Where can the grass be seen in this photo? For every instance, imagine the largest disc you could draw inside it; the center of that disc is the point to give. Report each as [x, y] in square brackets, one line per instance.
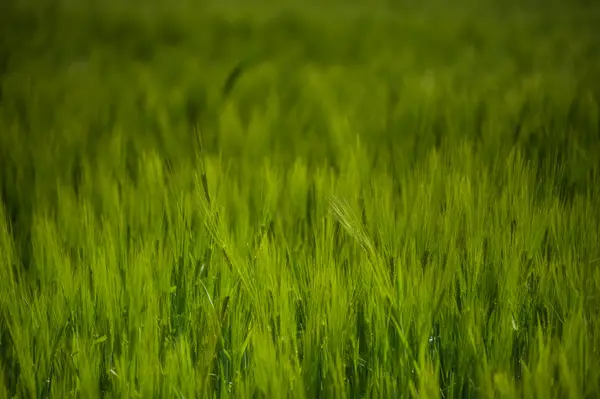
[225, 202]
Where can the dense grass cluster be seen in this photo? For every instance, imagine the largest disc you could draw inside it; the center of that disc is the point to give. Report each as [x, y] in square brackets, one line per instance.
[203, 202]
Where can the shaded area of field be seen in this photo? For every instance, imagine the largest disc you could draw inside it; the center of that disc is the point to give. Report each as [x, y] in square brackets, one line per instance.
[306, 202]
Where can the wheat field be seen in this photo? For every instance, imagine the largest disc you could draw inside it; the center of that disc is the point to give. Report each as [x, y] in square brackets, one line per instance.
[299, 200]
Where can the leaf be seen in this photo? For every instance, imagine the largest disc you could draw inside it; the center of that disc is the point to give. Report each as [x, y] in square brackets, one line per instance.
[99, 340]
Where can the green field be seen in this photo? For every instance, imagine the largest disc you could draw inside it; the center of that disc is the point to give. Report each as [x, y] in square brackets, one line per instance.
[310, 200]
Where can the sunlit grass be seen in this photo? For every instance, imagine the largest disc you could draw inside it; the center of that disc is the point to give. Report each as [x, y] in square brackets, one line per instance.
[367, 209]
